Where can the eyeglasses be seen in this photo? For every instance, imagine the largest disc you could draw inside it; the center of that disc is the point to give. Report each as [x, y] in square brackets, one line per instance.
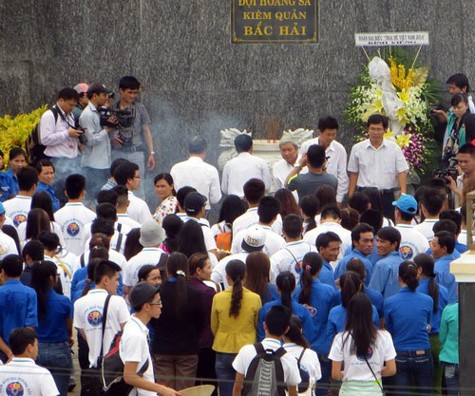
[159, 302]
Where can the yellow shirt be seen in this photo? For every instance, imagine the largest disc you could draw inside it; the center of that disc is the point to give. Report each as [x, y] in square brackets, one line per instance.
[231, 333]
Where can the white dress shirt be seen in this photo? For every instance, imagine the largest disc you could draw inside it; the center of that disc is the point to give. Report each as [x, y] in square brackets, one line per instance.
[196, 173]
[336, 164]
[280, 171]
[239, 170]
[377, 167]
[54, 135]
[138, 209]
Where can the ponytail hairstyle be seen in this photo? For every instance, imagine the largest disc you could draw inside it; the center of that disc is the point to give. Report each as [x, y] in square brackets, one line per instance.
[426, 264]
[236, 270]
[295, 332]
[408, 274]
[99, 239]
[91, 267]
[359, 325]
[311, 265]
[197, 260]
[41, 281]
[286, 284]
[177, 269]
[350, 284]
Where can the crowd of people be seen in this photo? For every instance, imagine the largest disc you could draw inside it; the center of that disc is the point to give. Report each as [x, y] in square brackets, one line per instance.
[323, 268]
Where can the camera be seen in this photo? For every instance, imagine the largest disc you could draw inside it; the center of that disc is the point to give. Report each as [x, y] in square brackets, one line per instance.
[451, 170]
[82, 137]
[125, 118]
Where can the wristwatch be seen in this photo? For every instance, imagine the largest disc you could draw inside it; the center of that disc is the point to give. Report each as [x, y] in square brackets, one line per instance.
[152, 152]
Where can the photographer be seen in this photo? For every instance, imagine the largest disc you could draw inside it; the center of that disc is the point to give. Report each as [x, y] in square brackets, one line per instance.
[96, 156]
[466, 164]
[129, 140]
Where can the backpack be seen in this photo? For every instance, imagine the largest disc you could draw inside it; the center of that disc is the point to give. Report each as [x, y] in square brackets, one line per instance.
[304, 375]
[265, 375]
[35, 151]
[224, 239]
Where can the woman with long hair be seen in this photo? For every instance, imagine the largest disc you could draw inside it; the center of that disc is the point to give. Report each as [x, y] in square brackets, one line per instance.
[151, 274]
[165, 190]
[440, 297]
[37, 221]
[307, 360]
[258, 277]
[172, 225]
[361, 354]
[233, 322]
[176, 340]
[285, 286]
[231, 208]
[54, 329]
[407, 317]
[310, 206]
[200, 272]
[191, 241]
[132, 245]
[288, 204]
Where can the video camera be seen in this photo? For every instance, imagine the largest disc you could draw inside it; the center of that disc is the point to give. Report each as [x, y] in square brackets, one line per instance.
[125, 118]
[451, 170]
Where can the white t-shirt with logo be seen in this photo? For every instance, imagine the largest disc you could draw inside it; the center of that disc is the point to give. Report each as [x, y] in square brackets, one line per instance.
[17, 209]
[73, 218]
[289, 258]
[67, 266]
[7, 245]
[355, 367]
[22, 377]
[148, 256]
[88, 316]
[412, 242]
[309, 363]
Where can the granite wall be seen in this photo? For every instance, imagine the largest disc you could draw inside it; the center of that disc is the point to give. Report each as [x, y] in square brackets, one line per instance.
[194, 80]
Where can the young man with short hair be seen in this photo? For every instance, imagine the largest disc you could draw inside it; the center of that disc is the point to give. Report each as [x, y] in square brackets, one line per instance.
[306, 184]
[385, 277]
[21, 376]
[134, 347]
[122, 205]
[73, 216]
[431, 205]
[329, 247]
[18, 303]
[443, 252]
[276, 324]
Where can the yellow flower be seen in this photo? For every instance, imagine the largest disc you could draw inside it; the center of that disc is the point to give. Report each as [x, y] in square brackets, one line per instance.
[403, 140]
[389, 135]
[404, 96]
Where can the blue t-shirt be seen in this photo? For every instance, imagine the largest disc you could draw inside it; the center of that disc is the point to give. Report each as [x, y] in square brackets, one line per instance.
[355, 253]
[406, 316]
[443, 301]
[81, 275]
[385, 277]
[337, 320]
[444, 277]
[6, 187]
[52, 328]
[18, 307]
[377, 300]
[323, 299]
[14, 182]
[326, 275]
[298, 310]
[50, 190]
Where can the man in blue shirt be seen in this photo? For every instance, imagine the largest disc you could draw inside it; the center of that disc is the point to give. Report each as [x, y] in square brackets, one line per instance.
[18, 304]
[328, 245]
[362, 238]
[443, 251]
[46, 174]
[386, 271]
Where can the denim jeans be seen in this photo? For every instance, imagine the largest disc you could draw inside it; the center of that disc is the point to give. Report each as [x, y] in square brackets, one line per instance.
[56, 357]
[323, 384]
[225, 373]
[451, 375]
[415, 372]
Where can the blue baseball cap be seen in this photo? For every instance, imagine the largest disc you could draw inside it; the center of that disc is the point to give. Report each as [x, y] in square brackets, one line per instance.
[407, 204]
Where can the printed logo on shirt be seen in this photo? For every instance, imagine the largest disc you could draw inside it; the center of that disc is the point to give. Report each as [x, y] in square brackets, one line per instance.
[18, 219]
[298, 266]
[15, 389]
[406, 252]
[369, 355]
[311, 310]
[73, 229]
[94, 318]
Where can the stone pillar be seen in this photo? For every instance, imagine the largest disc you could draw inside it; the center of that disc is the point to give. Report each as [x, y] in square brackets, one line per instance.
[464, 271]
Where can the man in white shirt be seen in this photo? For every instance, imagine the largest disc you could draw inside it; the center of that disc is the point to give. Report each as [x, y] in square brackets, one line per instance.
[413, 242]
[254, 190]
[74, 216]
[276, 325]
[134, 346]
[151, 236]
[466, 162]
[432, 204]
[268, 210]
[122, 205]
[128, 175]
[96, 154]
[89, 316]
[377, 162]
[195, 172]
[290, 256]
[335, 152]
[281, 169]
[245, 166]
[17, 208]
[7, 244]
[21, 376]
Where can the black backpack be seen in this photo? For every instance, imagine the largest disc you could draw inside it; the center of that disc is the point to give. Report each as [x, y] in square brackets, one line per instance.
[304, 375]
[35, 151]
[265, 375]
